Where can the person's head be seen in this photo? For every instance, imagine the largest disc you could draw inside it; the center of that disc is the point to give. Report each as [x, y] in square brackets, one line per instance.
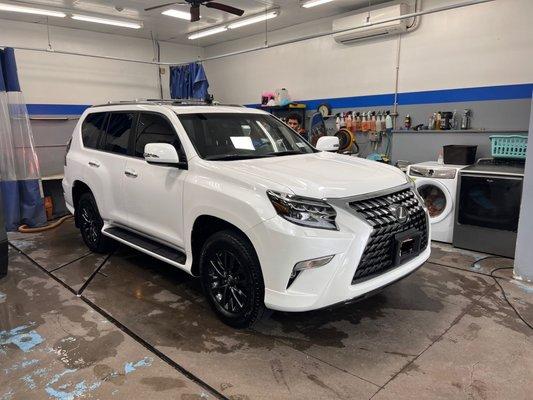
[294, 121]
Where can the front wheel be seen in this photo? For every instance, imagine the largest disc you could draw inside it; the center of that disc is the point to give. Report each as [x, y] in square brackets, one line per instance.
[232, 279]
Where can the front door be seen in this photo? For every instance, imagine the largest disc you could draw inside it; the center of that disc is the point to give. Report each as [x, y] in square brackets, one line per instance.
[154, 193]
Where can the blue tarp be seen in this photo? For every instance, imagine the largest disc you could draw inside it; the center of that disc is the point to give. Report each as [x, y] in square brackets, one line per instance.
[19, 167]
[188, 82]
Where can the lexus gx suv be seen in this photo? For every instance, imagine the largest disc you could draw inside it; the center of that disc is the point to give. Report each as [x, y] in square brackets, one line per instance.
[234, 196]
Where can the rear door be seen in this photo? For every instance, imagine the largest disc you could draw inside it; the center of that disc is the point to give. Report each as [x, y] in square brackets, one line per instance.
[153, 192]
[108, 163]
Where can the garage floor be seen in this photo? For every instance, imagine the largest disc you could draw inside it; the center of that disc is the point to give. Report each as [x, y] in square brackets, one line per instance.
[140, 329]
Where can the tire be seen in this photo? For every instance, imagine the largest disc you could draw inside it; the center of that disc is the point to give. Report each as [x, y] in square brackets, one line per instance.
[232, 280]
[90, 223]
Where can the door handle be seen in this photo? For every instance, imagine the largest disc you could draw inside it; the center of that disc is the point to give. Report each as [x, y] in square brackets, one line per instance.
[94, 164]
[130, 173]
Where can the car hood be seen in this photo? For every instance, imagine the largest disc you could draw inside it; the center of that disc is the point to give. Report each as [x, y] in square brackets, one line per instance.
[321, 175]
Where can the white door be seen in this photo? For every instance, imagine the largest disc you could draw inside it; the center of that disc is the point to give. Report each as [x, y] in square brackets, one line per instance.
[105, 165]
[153, 193]
[437, 198]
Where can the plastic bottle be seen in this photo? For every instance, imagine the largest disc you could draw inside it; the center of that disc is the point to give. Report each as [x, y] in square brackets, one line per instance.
[364, 124]
[407, 122]
[431, 121]
[438, 121]
[455, 120]
[358, 127]
[440, 159]
[372, 126]
[338, 122]
[388, 121]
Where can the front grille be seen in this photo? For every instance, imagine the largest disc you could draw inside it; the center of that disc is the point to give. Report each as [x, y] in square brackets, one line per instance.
[379, 254]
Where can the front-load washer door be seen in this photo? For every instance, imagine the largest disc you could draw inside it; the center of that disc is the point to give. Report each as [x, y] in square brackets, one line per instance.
[437, 198]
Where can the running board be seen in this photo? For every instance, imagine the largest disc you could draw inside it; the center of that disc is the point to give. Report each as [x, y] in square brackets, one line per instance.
[148, 246]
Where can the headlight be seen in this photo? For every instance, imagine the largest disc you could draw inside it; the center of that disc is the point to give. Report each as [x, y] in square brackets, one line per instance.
[303, 211]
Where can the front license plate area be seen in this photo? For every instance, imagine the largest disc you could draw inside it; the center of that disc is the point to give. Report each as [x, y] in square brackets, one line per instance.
[407, 245]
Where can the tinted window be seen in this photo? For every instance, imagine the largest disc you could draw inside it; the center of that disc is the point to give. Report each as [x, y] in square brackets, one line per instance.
[153, 128]
[118, 132]
[91, 129]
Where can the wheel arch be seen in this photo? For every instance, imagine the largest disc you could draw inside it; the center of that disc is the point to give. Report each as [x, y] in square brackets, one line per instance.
[78, 189]
[203, 227]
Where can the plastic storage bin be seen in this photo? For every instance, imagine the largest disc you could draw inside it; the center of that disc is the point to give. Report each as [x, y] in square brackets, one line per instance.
[459, 154]
[508, 146]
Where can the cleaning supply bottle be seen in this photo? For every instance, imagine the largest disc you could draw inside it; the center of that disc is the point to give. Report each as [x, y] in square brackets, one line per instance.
[373, 122]
[388, 121]
[358, 127]
[438, 121]
[338, 122]
[407, 122]
[364, 124]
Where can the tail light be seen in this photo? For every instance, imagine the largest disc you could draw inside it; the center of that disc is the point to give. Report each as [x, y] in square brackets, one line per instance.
[68, 148]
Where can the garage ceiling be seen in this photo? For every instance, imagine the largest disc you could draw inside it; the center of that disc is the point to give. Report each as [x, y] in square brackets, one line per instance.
[176, 30]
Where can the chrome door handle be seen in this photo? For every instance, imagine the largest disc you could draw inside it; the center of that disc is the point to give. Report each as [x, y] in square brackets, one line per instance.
[94, 164]
[130, 173]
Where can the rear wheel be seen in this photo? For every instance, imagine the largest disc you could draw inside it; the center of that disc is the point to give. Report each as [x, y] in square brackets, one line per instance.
[232, 279]
[90, 224]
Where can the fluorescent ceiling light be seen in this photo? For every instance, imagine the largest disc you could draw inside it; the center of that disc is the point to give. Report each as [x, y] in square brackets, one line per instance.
[208, 32]
[313, 3]
[177, 14]
[253, 20]
[105, 21]
[31, 10]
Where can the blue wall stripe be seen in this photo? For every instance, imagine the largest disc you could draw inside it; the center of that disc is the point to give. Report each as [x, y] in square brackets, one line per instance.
[504, 92]
[57, 109]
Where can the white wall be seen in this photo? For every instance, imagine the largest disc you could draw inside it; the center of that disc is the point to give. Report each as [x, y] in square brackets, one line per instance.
[482, 45]
[65, 79]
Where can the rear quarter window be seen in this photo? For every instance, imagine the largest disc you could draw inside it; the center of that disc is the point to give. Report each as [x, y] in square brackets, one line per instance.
[92, 128]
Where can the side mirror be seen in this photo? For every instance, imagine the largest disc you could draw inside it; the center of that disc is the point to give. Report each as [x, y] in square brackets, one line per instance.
[163, 154]
[328, 143]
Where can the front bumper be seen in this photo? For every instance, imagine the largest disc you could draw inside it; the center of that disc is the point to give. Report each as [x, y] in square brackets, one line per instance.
[281, 244]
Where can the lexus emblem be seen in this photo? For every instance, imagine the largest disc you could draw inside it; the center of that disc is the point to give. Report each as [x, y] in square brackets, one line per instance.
[399, 212]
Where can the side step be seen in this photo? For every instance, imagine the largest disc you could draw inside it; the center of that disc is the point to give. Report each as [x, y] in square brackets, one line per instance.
[148, 246]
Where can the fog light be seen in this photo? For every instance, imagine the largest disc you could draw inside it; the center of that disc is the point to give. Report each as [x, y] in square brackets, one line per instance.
[308, 264]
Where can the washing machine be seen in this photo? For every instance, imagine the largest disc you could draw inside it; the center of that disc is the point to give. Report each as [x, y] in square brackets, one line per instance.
[437, 185]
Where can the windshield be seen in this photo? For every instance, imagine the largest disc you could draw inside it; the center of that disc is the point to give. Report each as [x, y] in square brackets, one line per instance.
[231, 136]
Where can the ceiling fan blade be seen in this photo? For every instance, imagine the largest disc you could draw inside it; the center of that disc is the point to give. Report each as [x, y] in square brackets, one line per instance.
[195, 13]
[225, 8]
[161, 6]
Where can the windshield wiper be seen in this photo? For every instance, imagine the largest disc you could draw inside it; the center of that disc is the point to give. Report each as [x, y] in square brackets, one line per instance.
[286, 153]
[229, 157]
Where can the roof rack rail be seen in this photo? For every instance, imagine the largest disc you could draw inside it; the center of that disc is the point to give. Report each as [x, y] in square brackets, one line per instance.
[167, 102]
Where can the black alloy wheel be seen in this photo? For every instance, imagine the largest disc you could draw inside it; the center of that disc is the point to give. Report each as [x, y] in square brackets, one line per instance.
[90, 224]
[232, 279]
[229, 282]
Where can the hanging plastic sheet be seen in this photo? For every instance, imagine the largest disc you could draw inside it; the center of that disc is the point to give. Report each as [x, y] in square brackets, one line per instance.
[19, 166]
[188, 82]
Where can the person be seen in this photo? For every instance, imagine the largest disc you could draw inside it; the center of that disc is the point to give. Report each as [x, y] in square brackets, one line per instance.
[294, 120]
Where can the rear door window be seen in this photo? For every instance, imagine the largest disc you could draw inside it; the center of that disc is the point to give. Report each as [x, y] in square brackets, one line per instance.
[118, 132]
[154, 128]
[92, 129]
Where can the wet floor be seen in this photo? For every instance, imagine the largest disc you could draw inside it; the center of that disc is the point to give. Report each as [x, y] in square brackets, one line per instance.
[128, 325]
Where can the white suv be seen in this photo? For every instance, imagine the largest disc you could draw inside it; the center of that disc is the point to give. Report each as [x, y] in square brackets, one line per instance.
[234, 196]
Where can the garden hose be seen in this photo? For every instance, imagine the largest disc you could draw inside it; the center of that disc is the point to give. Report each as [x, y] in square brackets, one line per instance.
[26, 229]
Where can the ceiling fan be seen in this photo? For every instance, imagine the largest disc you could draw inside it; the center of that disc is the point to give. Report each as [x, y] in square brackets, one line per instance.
[195, 7]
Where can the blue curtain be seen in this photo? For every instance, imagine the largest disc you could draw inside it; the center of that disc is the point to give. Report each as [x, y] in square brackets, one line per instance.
[188, 81]
[19, 167]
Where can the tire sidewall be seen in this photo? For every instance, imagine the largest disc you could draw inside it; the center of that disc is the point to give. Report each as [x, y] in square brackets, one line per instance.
[87, 199]
[243, 250]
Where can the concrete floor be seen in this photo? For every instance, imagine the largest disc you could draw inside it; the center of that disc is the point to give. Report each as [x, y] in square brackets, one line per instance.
[142, 329]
